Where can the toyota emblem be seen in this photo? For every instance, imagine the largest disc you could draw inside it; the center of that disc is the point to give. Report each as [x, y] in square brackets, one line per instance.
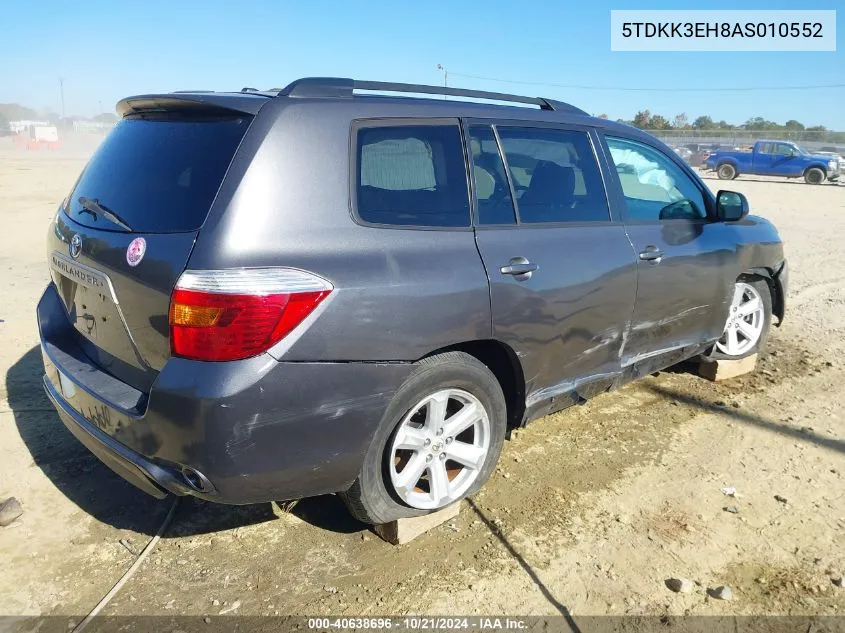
[75, 246]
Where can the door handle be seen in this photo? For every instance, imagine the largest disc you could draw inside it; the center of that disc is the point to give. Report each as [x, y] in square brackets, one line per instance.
[651, 254]
[520, 268]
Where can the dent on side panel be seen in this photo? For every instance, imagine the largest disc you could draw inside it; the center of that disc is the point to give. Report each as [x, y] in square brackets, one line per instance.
[761, 253]
[659, 329]
[760, 245]
[567, 322]
[265, 428]
[574, 390]
[746, 246]
[725, 251]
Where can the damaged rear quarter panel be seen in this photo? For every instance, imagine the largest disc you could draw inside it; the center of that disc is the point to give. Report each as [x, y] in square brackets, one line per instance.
[266, 430]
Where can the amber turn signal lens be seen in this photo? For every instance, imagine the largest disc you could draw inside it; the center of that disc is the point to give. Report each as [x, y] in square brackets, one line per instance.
[194, 316]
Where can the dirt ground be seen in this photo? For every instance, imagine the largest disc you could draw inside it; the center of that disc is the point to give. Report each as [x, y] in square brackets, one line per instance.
[591, 510]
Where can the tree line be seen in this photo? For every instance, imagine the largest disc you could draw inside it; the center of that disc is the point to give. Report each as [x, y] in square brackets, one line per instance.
[645, 120]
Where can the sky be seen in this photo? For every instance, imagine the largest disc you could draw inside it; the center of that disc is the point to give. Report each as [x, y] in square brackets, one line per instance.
[108, 50]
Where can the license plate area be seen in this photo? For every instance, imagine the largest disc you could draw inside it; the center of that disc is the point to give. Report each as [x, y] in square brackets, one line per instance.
[92, 313]
[88, 297]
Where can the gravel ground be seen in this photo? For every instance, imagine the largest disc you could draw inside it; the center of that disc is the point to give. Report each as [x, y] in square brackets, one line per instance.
[590, 512]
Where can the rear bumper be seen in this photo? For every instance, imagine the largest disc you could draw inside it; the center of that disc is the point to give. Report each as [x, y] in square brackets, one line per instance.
[130, 465]
[257, 429]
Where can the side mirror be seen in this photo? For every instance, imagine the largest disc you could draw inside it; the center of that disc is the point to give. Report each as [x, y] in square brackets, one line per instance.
[731, 206]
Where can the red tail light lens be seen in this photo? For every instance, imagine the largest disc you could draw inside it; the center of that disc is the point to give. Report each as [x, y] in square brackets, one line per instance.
[230, 315]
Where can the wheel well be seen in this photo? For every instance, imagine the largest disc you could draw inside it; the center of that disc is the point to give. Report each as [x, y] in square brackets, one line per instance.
[824, 170]
[774, 289]
[503, 362]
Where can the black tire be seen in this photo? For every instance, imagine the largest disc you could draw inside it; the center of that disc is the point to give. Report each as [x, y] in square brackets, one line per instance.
[726, 171]
[764, 290]
[814, 176]
[371, 498]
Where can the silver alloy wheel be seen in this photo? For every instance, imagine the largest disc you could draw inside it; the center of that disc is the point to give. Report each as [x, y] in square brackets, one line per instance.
[745, 321]
[439, 448]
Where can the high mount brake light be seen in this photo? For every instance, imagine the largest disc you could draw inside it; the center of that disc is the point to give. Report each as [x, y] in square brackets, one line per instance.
[221, 315]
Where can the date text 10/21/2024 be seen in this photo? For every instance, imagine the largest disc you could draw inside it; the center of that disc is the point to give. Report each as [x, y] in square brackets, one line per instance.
[418, 623]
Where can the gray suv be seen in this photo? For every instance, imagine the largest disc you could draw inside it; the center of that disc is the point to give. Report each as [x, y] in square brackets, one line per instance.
[269, 295]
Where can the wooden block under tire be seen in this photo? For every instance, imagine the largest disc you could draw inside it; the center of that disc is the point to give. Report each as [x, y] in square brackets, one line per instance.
[403, 531]
[721, 369]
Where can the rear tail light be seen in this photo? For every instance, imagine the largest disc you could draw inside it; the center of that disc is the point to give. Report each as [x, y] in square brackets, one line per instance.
[220, 315]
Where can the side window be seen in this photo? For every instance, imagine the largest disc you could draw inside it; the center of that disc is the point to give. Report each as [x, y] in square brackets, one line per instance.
[784, 149]
[766, 148]
[492, 193]
[555, 175]
[655, 188]
[412, 175]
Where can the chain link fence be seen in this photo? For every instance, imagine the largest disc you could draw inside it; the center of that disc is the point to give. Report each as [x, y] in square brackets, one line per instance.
[813, 140]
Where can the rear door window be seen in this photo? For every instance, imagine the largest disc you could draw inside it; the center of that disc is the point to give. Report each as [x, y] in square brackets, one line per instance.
[554, 174]
[411, 175]
[158, 176]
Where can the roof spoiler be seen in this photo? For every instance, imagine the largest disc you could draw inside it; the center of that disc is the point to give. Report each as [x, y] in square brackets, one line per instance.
[201, 103]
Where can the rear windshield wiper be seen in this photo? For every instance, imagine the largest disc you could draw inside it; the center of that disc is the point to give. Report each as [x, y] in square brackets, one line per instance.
[93, 206]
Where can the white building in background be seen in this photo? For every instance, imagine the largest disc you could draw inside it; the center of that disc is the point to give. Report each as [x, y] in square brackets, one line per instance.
[45, 133]
[23, 125]
[92, 126]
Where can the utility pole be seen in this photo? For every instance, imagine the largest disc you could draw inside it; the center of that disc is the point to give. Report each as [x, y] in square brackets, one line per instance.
[445, 78]
[62, 91]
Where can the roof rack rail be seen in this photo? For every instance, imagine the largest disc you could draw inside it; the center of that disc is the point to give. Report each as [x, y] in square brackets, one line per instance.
[341, 87]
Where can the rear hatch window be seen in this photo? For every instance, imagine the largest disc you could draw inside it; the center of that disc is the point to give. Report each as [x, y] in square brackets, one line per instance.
[158, 173]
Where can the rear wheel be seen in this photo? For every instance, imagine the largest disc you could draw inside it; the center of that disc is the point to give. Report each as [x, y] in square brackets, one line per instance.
[726, 172]
[438, 442]
[814, 176]
[749, 320]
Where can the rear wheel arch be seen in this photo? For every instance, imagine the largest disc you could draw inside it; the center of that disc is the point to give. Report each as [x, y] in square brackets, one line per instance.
[381, 493]
[502, 360]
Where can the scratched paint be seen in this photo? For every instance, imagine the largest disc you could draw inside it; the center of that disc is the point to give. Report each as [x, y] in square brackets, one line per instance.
[243, 431]
[566, 387]
[605, 338]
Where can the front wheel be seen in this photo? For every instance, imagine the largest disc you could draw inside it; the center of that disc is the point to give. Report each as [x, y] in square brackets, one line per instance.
[438, 441]
[814, 176]
[749, 319]
[726, 172]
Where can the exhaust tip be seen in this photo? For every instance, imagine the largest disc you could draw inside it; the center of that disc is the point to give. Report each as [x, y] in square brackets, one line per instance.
[195, 480]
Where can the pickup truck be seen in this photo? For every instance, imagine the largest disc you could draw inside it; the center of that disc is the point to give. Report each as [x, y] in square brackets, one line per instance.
[774, 158]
